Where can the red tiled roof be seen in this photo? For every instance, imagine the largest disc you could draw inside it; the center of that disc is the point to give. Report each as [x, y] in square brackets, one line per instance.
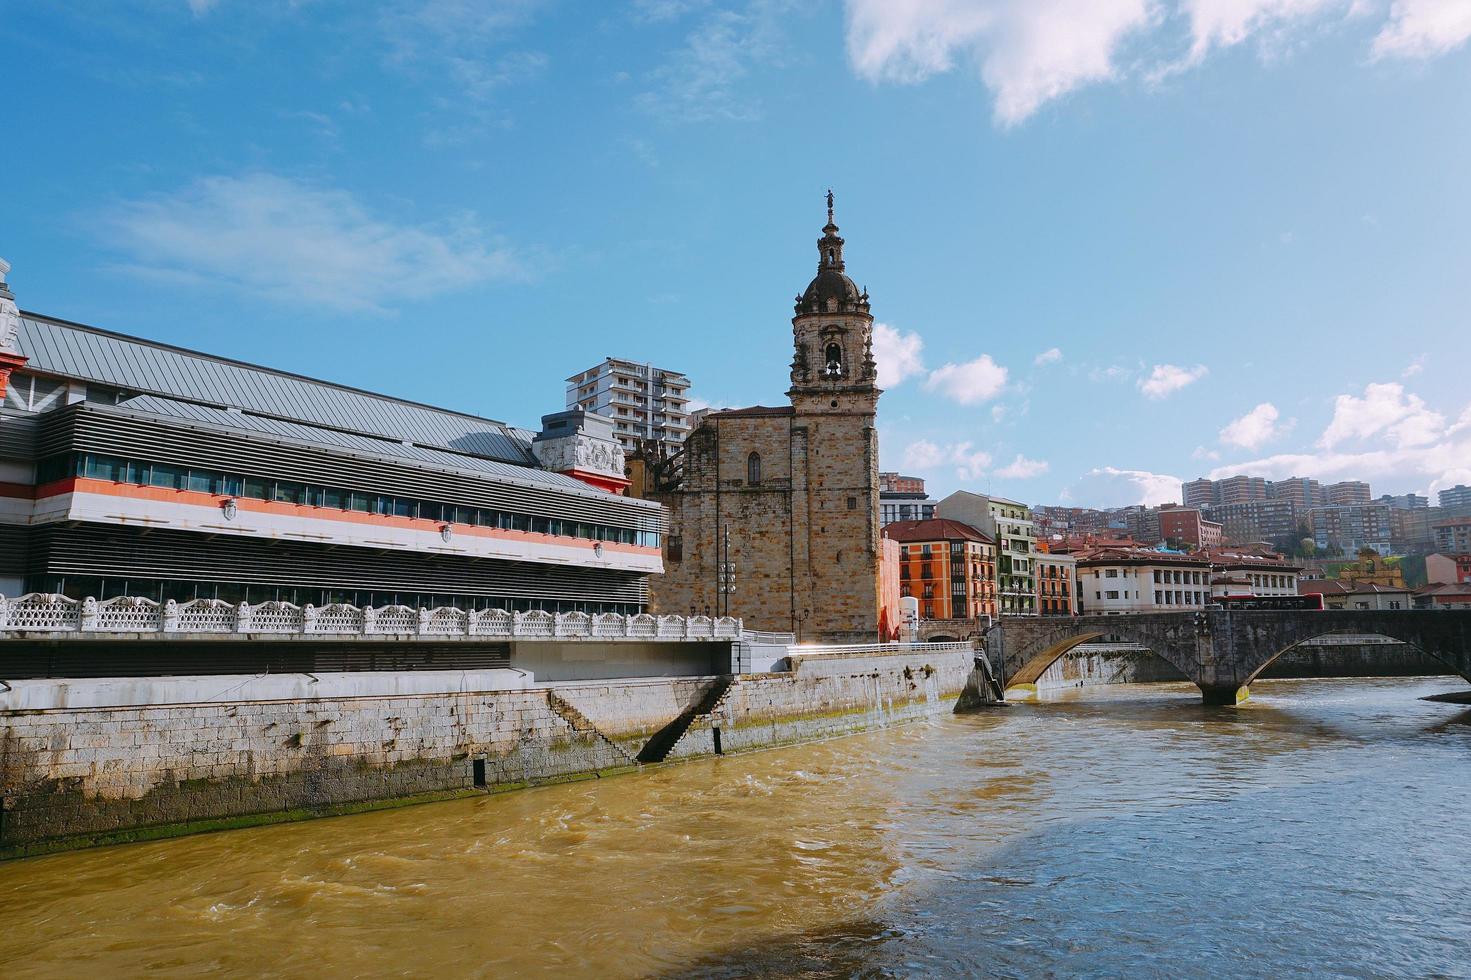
[1446, 589]
[1332, 586]
[1136, 556]
[934, 529]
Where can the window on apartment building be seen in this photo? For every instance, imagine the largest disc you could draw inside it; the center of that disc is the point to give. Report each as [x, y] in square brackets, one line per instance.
[852, 503]
[1113, 594]
[753, 469]
[1113, 573]
[1158, 597]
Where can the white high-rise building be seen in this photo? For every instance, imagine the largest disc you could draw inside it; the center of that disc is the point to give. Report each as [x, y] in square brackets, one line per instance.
[644, 402]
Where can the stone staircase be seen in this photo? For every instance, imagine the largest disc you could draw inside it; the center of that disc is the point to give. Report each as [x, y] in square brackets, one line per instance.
[582, 724]
[658, 747]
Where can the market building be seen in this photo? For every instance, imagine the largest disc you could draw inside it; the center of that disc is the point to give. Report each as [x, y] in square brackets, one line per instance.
[134, 468]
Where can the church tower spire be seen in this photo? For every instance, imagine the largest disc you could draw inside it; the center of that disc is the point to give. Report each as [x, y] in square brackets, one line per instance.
[832, 331]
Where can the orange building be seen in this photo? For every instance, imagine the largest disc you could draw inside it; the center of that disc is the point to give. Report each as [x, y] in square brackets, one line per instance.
[948, 566]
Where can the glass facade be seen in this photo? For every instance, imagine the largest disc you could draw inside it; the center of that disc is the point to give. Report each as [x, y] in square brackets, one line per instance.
[143, 473]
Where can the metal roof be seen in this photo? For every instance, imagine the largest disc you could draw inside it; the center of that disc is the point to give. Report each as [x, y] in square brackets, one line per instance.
[352, 442]
[87, 353]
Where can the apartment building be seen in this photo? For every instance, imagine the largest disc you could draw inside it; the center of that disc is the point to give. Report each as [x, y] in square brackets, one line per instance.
[948, 566]
[1057, 579]
[1186, 526]
[1350, 528]
[646, 403]
[1113, 581]
[1010, 524]
[1275, 521]
[903, 498]
[1456, 501]
[1347, 493]
[1235, 572]
[1453, 535]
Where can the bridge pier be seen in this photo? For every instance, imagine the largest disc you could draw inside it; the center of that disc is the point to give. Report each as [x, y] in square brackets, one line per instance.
[1229, 695]
[981, 689]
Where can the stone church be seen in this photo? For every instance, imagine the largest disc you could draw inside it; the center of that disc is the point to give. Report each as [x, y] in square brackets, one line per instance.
[774, 511]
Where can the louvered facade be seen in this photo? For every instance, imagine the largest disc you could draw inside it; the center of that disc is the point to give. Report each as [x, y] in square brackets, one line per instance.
[134, 468]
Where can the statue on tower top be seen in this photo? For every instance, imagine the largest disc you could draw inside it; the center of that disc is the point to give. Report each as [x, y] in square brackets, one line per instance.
[829, 205]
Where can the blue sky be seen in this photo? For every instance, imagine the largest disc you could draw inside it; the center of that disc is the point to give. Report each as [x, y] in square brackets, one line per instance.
[1112, 243]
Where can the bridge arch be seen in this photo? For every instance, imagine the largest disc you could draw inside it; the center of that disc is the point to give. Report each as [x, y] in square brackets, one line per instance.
[1440, 645]
[1030, 647]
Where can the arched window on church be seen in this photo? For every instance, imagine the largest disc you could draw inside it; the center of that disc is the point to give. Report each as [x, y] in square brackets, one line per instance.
[753, 469]
[834, 360]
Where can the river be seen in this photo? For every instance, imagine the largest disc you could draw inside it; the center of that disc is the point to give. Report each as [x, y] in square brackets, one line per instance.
[1320, 827]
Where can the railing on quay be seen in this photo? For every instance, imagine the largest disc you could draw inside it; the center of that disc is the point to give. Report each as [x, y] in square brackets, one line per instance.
[869, 649]
[38, 612]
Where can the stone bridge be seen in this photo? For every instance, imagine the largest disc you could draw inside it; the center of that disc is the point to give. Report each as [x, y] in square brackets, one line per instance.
[1222, 651]
[948, 630]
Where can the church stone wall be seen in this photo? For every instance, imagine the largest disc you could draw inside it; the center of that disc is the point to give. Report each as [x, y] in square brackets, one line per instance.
[804, 539]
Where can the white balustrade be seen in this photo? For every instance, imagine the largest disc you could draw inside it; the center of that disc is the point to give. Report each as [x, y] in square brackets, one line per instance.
[443, 621]
[396, 619]
[493, 622]
[276, 617]
[535, 623]
[574, 624]
[206, 616]
[125, 614]
[38, 612]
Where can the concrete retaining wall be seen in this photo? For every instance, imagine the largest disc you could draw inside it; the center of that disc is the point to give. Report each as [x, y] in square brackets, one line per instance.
[826, 696]
[89, 773]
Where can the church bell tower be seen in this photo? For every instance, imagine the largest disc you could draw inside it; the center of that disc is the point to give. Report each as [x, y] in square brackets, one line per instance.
[832, 365]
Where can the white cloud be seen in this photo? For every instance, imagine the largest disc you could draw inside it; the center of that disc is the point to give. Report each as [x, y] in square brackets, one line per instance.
[923, 455]
[1423, 29]
[970, 383]
[1022, 468]
[1203, 453]
[1110, 486]
[1166, 379]
[201, 7]
[1386, 411]
[969, 463]
[1416, 449]
[897, 354]
[704, 79]
[1254, 429]
[1414, 367]
[1028, 51]
[1049, 356]
[289, 241]
[662, 10]
[1222, 23]
[1112, 373]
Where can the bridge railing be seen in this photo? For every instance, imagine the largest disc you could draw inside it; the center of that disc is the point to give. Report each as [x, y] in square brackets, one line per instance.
[50, 613]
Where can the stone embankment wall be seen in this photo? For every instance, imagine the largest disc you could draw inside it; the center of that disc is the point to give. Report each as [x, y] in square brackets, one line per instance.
[75, 776]
[826, 696]
[1090, 665]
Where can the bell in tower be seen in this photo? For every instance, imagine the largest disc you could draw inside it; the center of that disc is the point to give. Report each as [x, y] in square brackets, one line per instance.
[833, 328]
